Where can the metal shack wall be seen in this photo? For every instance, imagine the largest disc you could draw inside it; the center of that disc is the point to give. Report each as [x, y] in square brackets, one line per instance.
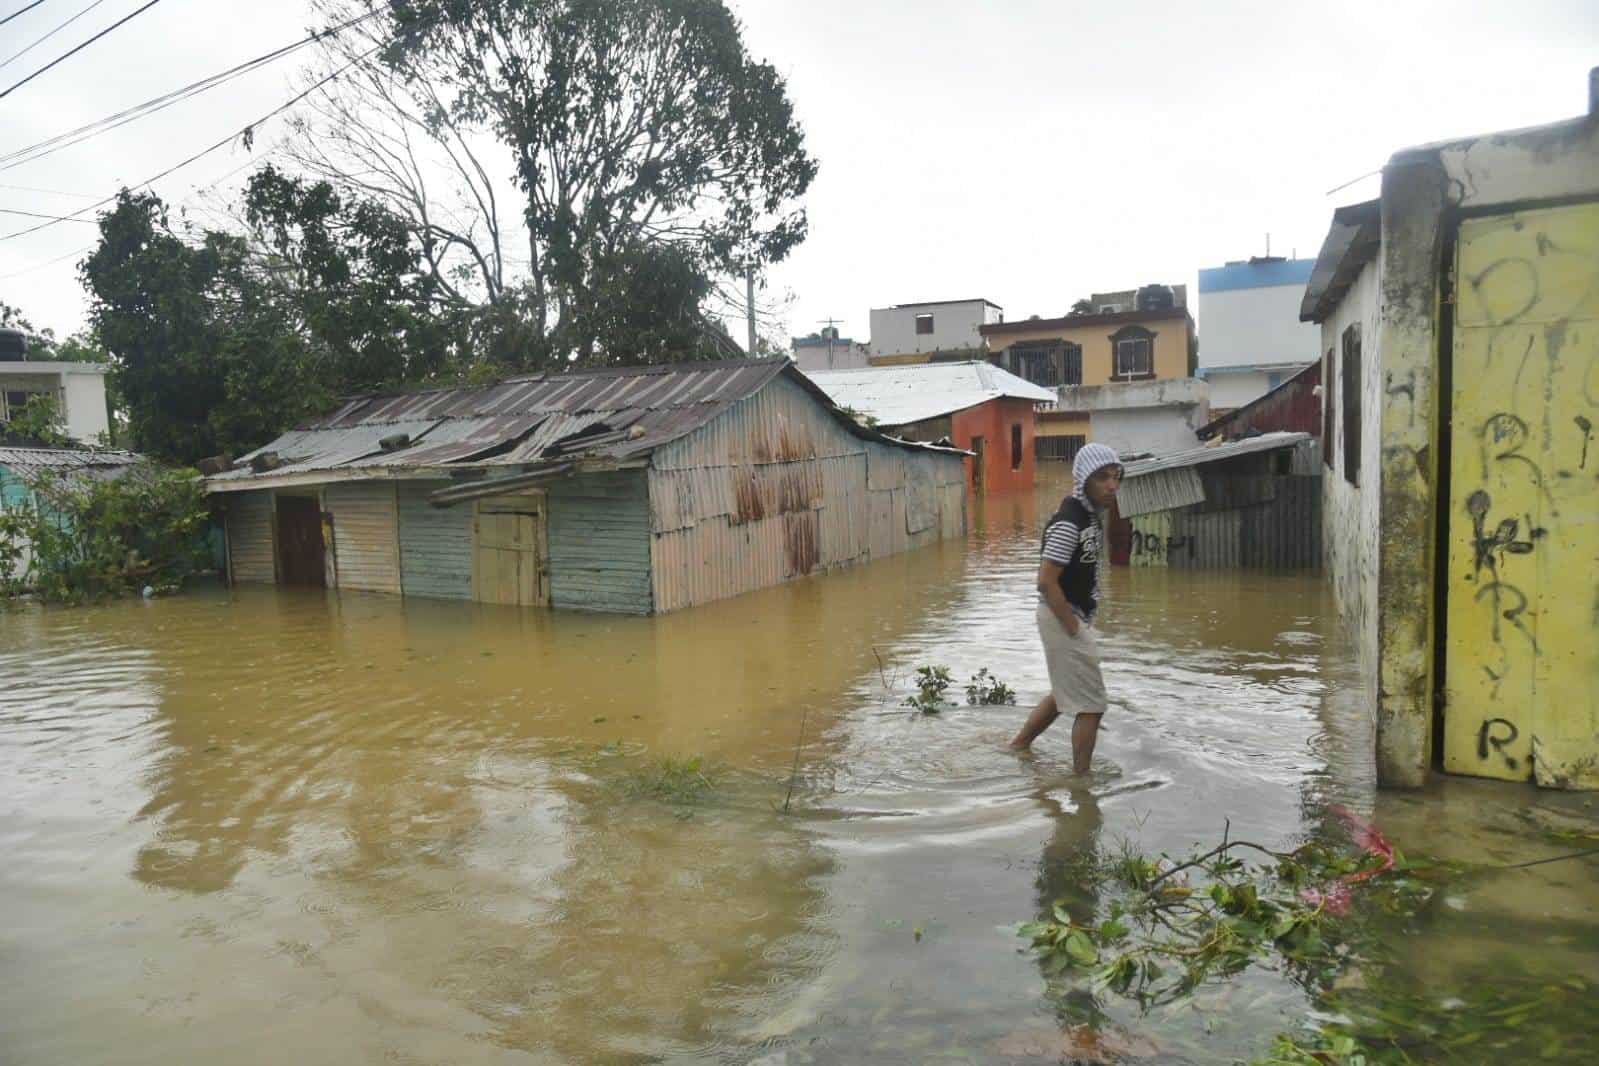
[249, 525]
[366, 544]
[775, 489]
[1256, 522]
[599, 537]
[435, 544]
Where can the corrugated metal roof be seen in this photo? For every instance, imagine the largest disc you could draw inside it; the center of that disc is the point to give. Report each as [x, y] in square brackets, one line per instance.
[29, 461]
[1194, 456]
[1353, 240]
[900, 395]
[1161, 490]
[599, 414]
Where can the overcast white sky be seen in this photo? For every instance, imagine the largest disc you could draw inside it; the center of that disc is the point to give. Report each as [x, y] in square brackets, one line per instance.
[1027, 151]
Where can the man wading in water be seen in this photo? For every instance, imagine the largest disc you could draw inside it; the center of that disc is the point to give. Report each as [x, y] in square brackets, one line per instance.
[1068, 589]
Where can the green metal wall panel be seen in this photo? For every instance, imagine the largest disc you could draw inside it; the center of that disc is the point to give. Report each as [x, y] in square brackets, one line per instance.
[599, 536]
[435, 544]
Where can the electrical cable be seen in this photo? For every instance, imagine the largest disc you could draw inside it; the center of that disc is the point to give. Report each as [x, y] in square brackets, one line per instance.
[51, 145]
[63, 58]
[7, 62]
[247, 132]
[24, 11]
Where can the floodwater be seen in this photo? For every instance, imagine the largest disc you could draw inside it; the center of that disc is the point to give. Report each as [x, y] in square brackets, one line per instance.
[271, 826]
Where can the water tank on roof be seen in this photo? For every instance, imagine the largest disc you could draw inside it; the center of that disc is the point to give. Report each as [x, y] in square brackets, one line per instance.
[1156, 298]
[13, 346]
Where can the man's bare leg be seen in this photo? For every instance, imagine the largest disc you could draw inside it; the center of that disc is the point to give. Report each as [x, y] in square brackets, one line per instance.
[1042, 717]
[1085, 730]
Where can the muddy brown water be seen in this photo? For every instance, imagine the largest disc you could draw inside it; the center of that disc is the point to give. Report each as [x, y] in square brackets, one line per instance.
[256, 825]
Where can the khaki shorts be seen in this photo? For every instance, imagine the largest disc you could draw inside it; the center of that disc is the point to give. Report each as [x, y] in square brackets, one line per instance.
[1073, 662]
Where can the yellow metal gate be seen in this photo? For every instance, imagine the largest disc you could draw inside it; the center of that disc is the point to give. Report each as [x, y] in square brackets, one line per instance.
[1522, 652]
[508, 565]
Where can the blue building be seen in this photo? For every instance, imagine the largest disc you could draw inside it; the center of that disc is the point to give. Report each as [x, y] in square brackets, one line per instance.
[1250, 336]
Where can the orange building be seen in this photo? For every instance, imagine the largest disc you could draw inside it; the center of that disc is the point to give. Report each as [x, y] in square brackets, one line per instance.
[973, 405]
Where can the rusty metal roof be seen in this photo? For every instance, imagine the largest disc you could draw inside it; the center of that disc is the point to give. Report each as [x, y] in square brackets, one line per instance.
[613, 414]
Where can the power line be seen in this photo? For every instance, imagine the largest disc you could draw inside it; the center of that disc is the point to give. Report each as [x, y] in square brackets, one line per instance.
[63, 58]
[24, 11]
[35, 214]
[61, 141]
[46, 263]
[52, 33]
[247, 132]
[48, 192]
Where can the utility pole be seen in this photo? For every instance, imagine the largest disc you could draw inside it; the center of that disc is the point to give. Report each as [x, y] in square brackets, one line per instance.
[749, 305]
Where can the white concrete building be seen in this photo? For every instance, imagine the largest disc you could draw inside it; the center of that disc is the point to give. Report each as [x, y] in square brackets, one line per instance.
[1251, 339]
[940, 326]
[77, 388]
[826, 350]
[1139, 417]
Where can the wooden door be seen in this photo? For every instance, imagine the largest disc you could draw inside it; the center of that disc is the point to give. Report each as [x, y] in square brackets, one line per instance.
[509, 559]
[1522, 655]
[300, 547]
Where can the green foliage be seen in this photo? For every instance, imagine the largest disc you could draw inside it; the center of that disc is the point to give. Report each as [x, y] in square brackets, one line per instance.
[218, 347]
[90, 538]
[1164, 935]
[985, 690]
[682, 782]
[931, 684]
[39, 424]
[652, 152]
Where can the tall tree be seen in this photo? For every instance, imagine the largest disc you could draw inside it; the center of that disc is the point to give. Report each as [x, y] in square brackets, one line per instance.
[631, 126]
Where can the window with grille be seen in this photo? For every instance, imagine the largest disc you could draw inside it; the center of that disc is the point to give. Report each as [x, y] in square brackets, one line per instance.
[1047, 363]
[1061, 449]
[924, 324]
[1350, 358]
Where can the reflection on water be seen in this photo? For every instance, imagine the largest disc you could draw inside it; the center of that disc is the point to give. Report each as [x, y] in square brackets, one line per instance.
[263, 825]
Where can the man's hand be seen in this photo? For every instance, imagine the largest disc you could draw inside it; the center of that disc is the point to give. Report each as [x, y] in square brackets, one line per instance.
[1049, 587]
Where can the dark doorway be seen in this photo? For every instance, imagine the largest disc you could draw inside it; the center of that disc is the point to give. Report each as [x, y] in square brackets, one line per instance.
[979, 457]
[300, 541]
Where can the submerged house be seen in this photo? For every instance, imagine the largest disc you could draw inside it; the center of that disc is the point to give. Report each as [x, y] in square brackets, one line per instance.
[639, 490]
[978, 407]
[1253, 503]
[1459, 316]
[21, 468]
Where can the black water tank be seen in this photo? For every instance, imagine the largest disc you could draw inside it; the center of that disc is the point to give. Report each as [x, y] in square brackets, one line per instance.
[13, 346]
[1155, 298]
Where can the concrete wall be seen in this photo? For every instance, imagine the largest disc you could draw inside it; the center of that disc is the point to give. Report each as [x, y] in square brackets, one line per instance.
[1234, 389]
[1243, 327]
[1350, 512]
[993, 421]
[955, 325]
[841, 356]
[1171, 344]
[1147, 429]
[78, 388]
[87, 414]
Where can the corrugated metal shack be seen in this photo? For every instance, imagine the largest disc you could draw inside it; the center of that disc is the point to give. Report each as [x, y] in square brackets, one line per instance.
[1253, 503]
[640, 490]
[19, 467]
[1292, 407]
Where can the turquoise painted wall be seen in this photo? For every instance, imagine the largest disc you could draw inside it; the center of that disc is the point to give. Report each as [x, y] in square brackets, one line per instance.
[599, 533]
